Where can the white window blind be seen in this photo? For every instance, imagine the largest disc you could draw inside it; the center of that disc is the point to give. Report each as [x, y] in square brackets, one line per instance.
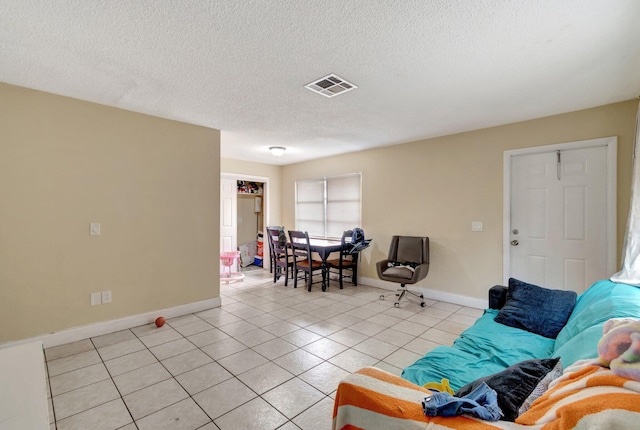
[326, 207]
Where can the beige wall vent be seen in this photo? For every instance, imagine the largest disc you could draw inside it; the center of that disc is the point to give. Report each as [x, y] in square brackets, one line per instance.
[330, 86]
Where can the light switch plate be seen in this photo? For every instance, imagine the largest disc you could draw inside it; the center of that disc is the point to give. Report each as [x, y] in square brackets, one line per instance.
[476, 226]
[95, 299]
[95, 229]
[106, 297]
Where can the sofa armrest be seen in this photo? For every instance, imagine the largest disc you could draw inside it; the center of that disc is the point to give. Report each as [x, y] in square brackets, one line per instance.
[497, 296]
[372, 395]
[374, 399]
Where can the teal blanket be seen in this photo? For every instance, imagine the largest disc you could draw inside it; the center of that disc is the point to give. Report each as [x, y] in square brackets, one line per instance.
[488, 347]
[602, 301]
[485, 348]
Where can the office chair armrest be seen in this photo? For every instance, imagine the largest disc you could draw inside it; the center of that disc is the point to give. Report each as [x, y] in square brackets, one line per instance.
[420, 273]
[381, 266]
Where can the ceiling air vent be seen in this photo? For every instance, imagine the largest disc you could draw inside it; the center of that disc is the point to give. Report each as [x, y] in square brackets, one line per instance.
[330, 86]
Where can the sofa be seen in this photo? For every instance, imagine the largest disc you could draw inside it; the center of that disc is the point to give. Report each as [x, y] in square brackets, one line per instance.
[550, 380]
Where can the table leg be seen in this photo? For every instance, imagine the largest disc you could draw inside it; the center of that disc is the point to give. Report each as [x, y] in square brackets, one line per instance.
[325, 269]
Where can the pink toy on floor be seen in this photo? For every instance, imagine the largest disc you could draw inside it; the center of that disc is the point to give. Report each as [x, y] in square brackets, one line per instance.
[619, 347]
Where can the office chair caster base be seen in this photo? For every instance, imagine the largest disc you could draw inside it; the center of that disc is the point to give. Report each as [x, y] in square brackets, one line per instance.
[396, 305]
[381, 296]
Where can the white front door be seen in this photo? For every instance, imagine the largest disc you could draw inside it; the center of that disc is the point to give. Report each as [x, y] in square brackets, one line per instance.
[559, 228]
[228, 215]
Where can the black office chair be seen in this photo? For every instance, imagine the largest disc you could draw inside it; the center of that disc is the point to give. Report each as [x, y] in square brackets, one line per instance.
[302, 261]
[281, 257]
[407, 263]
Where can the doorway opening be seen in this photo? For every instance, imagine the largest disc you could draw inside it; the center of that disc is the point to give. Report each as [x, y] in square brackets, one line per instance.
[244, 212]
[250, 223]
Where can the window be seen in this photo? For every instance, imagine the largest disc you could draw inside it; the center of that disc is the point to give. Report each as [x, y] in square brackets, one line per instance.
[326, 207]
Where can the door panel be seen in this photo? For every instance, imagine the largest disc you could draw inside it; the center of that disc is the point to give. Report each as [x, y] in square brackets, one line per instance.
[575, 211]
[559, 218]
[228, 217]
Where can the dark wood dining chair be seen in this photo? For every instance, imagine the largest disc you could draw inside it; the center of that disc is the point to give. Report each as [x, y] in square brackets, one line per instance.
[302, 261]
[281, 257]
[270, 243]
[346, 265]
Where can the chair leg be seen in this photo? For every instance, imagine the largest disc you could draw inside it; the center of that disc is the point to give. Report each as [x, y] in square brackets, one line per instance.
[340, 275]
[400, 295]
[275, 275]
[286, 275]
[420, 296]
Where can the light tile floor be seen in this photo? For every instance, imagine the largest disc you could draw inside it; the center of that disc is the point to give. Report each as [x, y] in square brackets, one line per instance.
[270, 357]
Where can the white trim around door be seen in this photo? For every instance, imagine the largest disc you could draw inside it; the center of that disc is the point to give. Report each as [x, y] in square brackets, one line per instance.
[611, 143]
[265, 197]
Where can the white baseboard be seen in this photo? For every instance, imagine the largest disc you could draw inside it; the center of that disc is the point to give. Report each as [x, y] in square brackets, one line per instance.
[85, 332]
[440, 296]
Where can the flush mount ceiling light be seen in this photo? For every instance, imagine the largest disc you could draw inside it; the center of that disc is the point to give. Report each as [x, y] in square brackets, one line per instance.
[330, 86]
[277, 150]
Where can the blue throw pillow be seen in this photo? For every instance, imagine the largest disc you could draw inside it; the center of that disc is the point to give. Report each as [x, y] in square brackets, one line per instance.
[536, 309]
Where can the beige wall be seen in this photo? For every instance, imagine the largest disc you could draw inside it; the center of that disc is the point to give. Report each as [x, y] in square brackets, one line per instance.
[437, 187]
[153, 184]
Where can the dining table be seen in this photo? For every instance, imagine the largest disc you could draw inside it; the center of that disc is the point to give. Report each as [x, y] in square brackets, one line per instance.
[324, 248]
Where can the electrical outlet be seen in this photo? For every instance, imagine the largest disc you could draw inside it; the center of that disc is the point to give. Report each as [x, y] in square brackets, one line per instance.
[106, 297]
[94, 229]
[95, 299]
[476, 226]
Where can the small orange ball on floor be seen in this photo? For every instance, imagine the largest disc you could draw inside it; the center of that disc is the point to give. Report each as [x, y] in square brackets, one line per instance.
[160, 321]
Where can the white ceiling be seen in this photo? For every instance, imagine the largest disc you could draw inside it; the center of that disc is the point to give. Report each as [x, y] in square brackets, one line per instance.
[423, 68]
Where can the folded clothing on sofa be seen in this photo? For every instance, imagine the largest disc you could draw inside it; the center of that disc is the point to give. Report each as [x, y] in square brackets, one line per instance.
[619, 348]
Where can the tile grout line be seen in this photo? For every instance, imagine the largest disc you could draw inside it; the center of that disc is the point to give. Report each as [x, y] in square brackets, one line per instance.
[275, 298]
[114, 383]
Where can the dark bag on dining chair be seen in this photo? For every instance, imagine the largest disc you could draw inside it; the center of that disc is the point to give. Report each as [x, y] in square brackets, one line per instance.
[282, 238]
[358, 242]
[357, 236]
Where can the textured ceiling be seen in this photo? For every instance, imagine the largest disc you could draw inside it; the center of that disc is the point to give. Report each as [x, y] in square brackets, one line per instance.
[423, 68]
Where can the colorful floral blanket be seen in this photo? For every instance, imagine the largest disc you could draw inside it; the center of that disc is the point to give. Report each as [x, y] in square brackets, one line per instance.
[585, 396]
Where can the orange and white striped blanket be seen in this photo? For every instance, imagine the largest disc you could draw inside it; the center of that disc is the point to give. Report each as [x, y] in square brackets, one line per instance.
[589, 396]
[585, 396]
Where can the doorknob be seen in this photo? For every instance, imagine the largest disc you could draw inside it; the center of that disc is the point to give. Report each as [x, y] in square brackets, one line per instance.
[514, 243]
